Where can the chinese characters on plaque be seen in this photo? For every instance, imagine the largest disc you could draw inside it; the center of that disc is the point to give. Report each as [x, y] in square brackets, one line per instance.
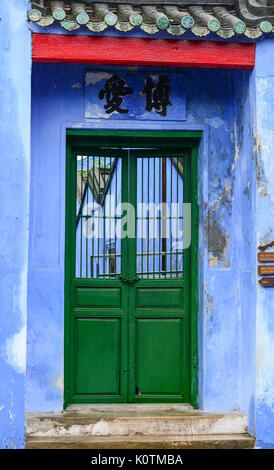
[157, 94]
[128, 95]
[114, 91]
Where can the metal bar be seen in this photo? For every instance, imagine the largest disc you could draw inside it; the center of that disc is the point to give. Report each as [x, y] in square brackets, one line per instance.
[110, 224]
[124, 199]
[160, 272]
[132, 198]
[107, 255]
[87, 227]
[93, 165]
[160, 218]
[161, 253]
[104, 220]
[163, 211]
[170, 231]
[154, 176]
[81, 218]
[142, 170]
[106, 187]
[148, 217]
[107, 217]
[160, 221]
[115, 205]
[177, 227]
[98, 244]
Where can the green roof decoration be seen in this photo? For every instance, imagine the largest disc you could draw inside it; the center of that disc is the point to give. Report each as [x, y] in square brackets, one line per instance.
[225, 18]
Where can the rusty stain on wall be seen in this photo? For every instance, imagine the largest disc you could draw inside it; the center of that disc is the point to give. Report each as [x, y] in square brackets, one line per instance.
[218, 241]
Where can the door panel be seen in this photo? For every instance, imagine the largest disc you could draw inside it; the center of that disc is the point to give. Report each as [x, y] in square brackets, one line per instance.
[98, 297]
[97, 356]
[128, 307]
[150, 297]
[159, 356]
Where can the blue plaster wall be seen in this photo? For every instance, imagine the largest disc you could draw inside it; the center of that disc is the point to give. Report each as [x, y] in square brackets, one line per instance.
[236, 326]
[15, 76]
[217, 103]
[263, 77]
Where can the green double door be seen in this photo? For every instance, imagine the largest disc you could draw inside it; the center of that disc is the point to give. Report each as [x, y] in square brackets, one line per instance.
[128, 283]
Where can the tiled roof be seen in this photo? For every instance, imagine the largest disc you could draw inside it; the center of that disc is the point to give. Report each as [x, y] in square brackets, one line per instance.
[226, 18]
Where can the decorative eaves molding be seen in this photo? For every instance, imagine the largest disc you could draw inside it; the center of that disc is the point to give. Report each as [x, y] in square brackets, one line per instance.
[225, 18]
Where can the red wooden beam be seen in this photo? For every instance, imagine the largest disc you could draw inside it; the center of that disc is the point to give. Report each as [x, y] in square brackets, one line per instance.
[60, 48]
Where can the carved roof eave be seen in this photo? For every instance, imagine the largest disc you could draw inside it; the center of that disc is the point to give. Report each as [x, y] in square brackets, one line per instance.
[225, 18]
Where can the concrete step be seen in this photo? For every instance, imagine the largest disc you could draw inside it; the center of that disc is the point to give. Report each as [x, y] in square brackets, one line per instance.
[135, 420]
[224, 441]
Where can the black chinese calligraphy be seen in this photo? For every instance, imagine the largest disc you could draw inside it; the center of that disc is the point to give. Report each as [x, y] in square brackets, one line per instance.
[115, 88]
[157, 94]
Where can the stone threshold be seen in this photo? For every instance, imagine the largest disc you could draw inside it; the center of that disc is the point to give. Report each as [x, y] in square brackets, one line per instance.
[240, 441]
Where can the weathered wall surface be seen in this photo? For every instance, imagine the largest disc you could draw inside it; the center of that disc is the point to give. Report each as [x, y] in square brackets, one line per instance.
[230, 276]
[15, 79]
[236, 326]
[263, 77]
[217, 103]
[245, 242]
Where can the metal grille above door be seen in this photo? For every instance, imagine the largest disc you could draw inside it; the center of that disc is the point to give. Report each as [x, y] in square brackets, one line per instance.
[159, 217]
[98, 250]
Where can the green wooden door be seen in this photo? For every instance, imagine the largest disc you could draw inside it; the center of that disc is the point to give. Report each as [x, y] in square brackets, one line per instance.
[130, 325]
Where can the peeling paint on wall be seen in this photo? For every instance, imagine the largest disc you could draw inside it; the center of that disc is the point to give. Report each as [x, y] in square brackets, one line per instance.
[210, 305]
[59, 383]
[267, 238]
[218, 239]
[16, 351]
[260, 172]
[237, 147]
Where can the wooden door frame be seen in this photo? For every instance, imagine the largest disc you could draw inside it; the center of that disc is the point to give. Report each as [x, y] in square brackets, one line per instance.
[188, 140]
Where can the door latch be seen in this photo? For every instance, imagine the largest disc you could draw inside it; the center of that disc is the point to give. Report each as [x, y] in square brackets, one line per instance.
[128, 280]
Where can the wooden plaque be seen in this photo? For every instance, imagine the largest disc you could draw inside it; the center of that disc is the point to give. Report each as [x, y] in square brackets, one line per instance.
[266, 269]
[267, 281]
[265, 257]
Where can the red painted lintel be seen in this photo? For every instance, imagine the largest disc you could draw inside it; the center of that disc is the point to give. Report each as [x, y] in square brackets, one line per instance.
[77, 49]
